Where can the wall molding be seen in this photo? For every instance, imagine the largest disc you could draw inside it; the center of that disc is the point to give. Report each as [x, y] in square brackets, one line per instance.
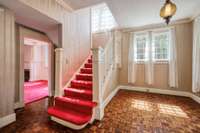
[155, 26]
[149, 90]
[7, 120]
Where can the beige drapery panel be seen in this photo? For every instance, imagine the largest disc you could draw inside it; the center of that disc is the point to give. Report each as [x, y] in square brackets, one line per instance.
[132, 66]
[196, 56]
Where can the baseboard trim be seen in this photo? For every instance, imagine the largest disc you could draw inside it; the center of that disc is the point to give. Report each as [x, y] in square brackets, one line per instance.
[150, 90]
[155, 90]
[18, 105]
[161, 91]
[7, 120]
[195, 98]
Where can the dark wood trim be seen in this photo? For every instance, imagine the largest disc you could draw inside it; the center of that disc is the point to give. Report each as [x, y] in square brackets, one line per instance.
[21, 25]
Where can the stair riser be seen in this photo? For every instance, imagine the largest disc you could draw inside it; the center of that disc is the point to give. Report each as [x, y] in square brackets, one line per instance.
[86, 71]
[90, 61]
[71, 106]
[81, 86]
[76, 106]
[88, 65]
[78, 95]
[83, 77]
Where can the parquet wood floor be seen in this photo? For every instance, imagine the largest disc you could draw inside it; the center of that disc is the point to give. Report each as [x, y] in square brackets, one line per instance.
[128, 112]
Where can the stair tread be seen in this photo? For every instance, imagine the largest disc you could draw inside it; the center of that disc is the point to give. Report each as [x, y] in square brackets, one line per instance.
[69, 115]
[82, 81]
[84, 74]
[75, 101]
[86, 68]
[80, 91]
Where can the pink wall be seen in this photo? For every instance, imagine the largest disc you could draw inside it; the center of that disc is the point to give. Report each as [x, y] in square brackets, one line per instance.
[36, 59]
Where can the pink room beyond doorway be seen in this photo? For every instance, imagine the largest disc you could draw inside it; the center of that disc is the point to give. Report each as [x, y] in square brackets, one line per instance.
[36, 68]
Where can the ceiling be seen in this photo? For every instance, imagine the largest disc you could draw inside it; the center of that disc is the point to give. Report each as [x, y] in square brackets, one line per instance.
[128, 13]
[77, 4]
[135, 13]
[28, 16]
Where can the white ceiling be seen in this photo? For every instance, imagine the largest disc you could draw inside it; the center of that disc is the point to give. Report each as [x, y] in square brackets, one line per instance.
[134, 13]
[77, 4]
[28, 16]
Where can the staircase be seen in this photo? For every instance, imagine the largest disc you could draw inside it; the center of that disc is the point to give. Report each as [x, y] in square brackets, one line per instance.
[75, 108]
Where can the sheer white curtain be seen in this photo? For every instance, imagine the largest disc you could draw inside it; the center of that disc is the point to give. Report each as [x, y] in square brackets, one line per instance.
[173, 72]
[196, 56]
[149, 66]
[132, 66]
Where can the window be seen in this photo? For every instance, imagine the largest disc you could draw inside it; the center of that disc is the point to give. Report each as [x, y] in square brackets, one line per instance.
[102, 18]
[152, 45]
[161, 46]
[140, 47]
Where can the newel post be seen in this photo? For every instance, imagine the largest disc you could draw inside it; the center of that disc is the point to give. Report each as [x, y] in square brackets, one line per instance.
[97, 54]
[58, 71]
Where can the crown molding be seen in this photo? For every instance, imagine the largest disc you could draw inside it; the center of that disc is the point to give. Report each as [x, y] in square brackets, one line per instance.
[158, 25]
[196, 15]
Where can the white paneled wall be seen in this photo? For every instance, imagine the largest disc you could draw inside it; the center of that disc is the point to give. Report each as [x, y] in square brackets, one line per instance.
[35, 61]
[76, 41]
[76, 32]
[48, 7]
[7, 62]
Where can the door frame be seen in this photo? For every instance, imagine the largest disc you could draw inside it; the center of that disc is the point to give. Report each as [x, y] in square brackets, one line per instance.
[26, 32]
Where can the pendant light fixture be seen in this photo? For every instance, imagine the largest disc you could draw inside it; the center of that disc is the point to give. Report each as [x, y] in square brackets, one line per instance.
[168, 10]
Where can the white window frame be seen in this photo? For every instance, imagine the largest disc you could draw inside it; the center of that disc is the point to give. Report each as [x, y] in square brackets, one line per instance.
[136, 36]
[150, 35]
[157, 33]
[100, 19]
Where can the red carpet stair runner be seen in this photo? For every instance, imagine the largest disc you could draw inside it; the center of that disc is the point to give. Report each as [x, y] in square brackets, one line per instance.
[76, 106]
